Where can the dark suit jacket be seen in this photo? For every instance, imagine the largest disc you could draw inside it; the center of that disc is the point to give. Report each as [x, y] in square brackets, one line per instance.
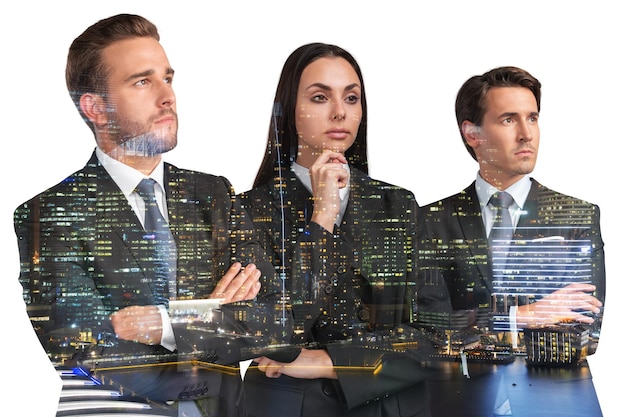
[456, 266]
[353, 293]
[83, 257]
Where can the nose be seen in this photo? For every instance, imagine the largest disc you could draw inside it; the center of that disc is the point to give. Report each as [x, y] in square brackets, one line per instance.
[167, 98]
[338, 112]
[525, 132]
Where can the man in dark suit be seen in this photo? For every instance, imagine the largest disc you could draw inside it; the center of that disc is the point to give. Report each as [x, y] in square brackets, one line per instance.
[544, 275]
[99, 277]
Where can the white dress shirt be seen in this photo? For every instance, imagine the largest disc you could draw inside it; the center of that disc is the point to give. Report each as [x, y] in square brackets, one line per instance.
[519, 191]
[127, 179]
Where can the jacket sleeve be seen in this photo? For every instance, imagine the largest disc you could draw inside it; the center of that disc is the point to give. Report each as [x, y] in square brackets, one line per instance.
[382, 350]
[598, 273]
[57, 277]
[247, 329]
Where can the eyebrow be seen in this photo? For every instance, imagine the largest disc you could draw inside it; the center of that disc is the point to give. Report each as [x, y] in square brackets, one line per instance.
[327, 88]
[168, 71]
[513, 114]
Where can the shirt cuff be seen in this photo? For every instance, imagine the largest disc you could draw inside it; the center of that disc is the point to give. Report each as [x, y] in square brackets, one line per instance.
[513, 325]
[168, 341]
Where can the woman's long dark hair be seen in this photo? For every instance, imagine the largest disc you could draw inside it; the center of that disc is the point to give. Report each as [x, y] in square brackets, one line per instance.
[283, 136]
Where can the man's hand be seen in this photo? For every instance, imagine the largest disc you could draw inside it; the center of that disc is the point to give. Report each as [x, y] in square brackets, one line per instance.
[238, 284]
[139, 324]
[569, 303]
[310, 364]
[328, 176]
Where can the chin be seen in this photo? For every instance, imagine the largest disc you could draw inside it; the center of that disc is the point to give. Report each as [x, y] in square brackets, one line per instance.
[148, 145]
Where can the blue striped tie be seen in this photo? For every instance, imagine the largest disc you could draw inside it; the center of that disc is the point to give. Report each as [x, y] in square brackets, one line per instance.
[159, 236]
[502, 229]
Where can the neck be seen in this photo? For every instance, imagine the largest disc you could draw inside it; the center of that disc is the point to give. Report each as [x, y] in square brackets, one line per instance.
[306, 159]
[500, 181]
[142, 163]
[137, 160]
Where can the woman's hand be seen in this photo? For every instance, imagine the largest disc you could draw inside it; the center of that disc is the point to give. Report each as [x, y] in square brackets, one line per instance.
[310, 364]
[328, 176]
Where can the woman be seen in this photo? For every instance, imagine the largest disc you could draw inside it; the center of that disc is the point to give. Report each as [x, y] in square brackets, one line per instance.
[344, 244]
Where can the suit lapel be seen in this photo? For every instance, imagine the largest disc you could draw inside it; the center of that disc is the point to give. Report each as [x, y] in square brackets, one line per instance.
[118, 236]
[175, 195]
[365, 200]
[296, 199]
[194, 217]
[529, 214]
[469, 215]
[119, 219]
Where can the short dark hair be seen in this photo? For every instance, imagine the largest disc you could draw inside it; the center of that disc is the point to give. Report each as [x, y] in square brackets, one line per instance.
[470, 100]
[85, 71]
[283, 121]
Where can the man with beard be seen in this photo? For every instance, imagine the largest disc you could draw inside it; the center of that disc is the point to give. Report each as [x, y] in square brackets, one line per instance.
[490, 271]
[104, 252]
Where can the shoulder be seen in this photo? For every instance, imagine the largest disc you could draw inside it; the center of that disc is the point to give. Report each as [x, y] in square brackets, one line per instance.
[549, 197]
[78, 184]
[465, 197]
[259, 199]
[189, 173]
[262, 190]
[549, 206]
[369, 184]
[291, 187]
[195, 180]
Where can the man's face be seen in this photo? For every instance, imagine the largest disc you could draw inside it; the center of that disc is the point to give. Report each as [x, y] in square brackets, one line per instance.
[141, 105]
[507, 142]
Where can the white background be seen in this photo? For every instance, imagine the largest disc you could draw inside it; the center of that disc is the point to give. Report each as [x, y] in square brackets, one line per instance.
[227, 60]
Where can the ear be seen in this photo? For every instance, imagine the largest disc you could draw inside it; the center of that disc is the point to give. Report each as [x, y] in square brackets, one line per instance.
[471, 133]
[94, 108]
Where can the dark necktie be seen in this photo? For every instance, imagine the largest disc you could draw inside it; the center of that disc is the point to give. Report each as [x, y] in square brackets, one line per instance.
[502, 229]
[499, 242]
[160, 239]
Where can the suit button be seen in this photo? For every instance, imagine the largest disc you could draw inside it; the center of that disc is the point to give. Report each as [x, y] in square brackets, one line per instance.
[328, 389]
[341, 269]
[364, 314]
[329, 289]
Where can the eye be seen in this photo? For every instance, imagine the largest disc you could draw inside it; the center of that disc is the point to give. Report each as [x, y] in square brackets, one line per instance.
[141, 82]
[507, 121]
[533, 119]
[352, 99]
[318, 98]
[169, 80]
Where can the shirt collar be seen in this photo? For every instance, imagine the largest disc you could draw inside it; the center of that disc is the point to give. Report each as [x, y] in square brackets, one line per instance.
[126, 177]
[519, 190]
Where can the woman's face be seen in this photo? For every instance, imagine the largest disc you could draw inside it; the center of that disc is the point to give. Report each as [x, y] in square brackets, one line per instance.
[328, 108]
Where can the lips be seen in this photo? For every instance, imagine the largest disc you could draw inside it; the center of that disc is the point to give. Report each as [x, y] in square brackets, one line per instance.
[165, 117]
[337, 133]
[525, 152]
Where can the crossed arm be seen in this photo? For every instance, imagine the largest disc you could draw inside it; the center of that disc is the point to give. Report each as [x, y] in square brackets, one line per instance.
[573, 302]
[144, 324]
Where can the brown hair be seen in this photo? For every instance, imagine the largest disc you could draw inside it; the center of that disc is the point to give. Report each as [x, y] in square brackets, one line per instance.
[85, 71]
[470, 100]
